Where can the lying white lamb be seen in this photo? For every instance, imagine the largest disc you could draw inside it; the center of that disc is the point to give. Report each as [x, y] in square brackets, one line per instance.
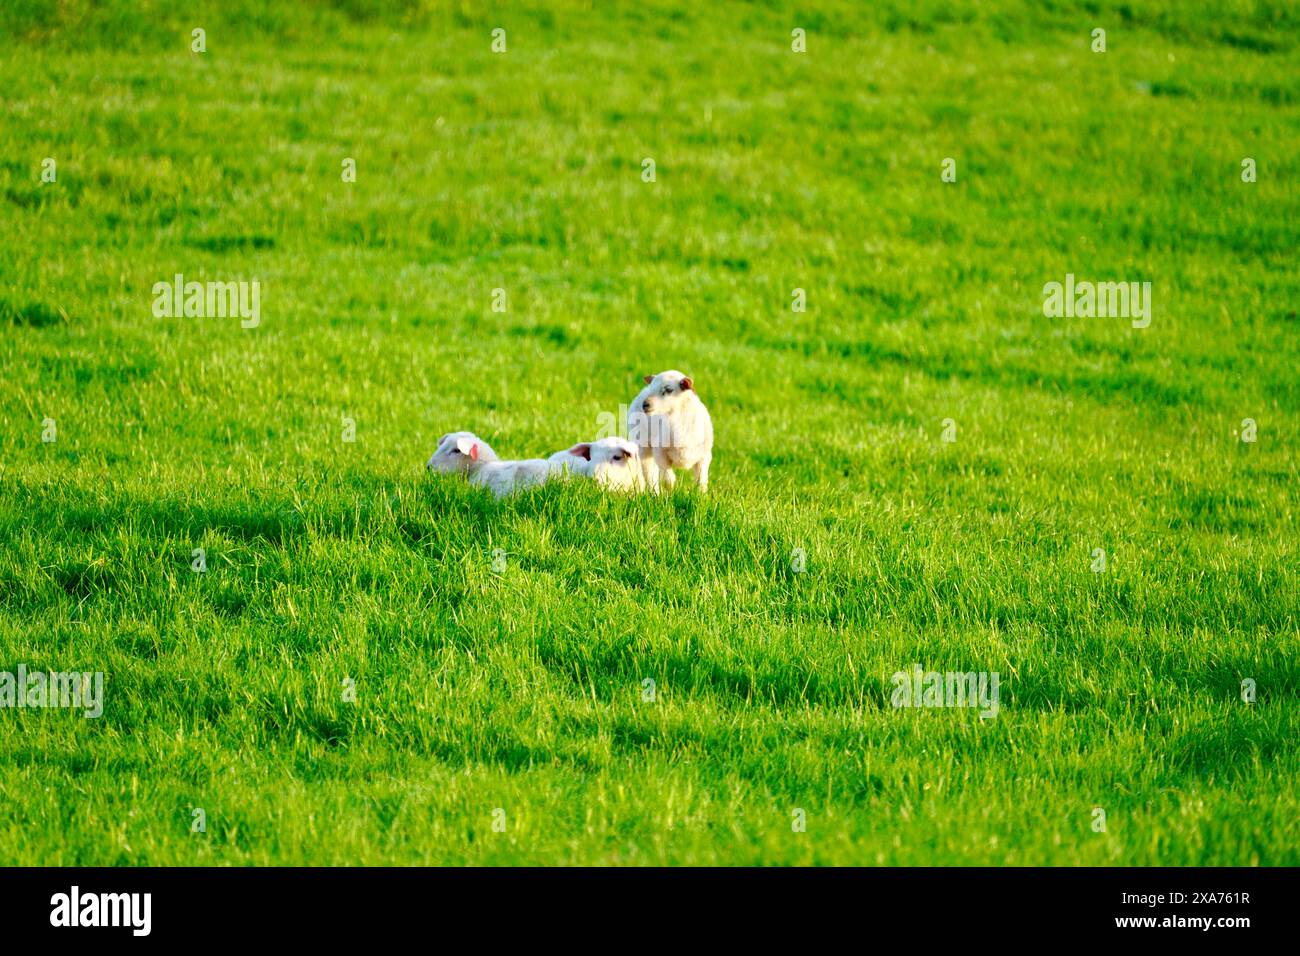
[672, 428]
[470, 455]
[611, 462]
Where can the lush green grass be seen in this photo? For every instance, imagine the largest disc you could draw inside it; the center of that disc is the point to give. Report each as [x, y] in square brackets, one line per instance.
[522, 690]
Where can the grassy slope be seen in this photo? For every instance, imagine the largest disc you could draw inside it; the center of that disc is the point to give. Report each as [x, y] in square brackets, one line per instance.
[522, 690]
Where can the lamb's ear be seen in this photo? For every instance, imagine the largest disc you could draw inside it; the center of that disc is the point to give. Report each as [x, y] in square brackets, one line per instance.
[441, 440]
[582, 450]
[473, 452]
[648, 379]
[466, 446]
[687, 383]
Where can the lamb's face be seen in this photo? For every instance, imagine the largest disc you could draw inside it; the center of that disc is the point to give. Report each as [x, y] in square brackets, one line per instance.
[666, 393]
[615, 463]
[458, 452]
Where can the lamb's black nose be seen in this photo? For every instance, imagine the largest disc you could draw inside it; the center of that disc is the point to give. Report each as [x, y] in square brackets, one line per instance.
[645, 406]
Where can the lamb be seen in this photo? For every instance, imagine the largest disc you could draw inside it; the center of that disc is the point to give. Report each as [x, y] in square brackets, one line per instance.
[672, 428]
[469, 455]
[611, 462]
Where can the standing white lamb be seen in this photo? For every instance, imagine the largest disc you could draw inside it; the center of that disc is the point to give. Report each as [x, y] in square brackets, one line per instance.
[672, 428]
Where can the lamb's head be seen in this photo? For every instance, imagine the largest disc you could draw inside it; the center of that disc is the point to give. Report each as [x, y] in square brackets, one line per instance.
[666, 393]
[460, 452]
[614, 462]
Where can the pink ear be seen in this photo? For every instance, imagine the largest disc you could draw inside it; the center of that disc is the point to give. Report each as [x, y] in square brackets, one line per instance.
[648, 379]
[582, 450]
[687, 383]
[473, 452]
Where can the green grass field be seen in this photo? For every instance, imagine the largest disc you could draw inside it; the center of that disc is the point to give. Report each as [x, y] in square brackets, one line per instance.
[499, 650]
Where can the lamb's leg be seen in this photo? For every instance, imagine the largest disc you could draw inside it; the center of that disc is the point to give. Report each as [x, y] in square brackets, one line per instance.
[702, 473]
[666, 474]
[649, 471]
